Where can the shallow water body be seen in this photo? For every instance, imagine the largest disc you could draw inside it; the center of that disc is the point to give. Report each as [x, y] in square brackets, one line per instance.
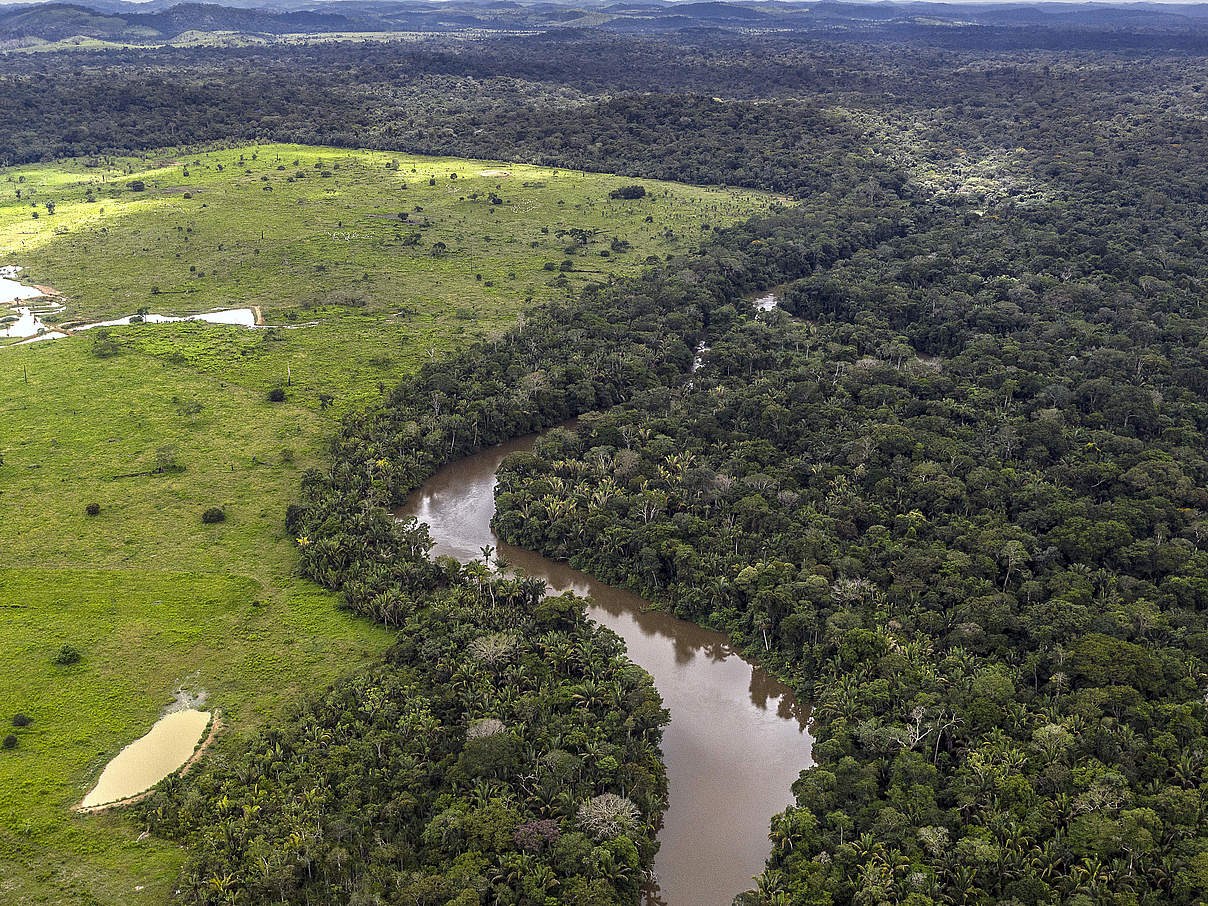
[148, 760]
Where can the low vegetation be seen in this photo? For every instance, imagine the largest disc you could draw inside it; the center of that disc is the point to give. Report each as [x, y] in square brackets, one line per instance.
[394, 257]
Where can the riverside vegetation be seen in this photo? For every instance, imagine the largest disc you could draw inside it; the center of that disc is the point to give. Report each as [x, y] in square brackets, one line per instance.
[960, 507]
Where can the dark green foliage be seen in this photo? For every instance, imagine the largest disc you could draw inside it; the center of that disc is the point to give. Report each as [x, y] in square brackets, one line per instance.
[104, 346]
[463, 103]
[213, 515]
[67, 655]
[628, 192]
[964, 510]
[276, 395]
[21, 720]
[958, 499]
[463, 629]
[93, 509]
[10, 741]
[457, 764]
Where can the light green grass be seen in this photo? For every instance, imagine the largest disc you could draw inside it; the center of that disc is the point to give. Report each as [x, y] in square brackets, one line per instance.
[141, 634]
[333, 250]
[313, 239]
[149, 594]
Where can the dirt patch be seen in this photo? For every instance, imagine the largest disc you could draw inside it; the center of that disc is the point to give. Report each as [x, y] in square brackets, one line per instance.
[494, 173]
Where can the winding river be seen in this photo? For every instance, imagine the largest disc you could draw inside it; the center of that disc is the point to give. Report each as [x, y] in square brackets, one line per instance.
[737, 738]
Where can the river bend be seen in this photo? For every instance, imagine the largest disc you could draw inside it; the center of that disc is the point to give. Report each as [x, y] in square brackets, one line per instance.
[737, 738]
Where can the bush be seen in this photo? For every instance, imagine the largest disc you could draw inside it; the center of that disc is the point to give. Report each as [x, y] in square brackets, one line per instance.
[137, 185]
[10, 741]
[67, 655]
[276, 395]
[628, 193]
[213, 514]
[22, 720]
[103, 345]
[93, 509]
[166, 461]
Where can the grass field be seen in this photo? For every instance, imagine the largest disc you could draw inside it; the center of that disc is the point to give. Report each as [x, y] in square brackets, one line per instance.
[287, 227]
[179, 421]
[314, 234]
[149, 595]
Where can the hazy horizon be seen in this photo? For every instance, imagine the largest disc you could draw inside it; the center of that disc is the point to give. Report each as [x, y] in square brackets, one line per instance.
[1024, 3]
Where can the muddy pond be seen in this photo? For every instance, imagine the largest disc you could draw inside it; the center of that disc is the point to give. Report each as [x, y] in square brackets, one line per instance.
[168, 745]
[737, 738]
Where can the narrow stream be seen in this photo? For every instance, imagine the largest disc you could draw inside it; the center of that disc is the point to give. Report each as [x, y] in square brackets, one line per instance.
[737, 738]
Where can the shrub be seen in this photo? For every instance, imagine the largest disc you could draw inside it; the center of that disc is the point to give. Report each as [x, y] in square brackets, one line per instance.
[213, 514]
[10, 741]
[93, 509]
[628, 193]
[166, 461]
[103, 345]
[22, 720]
[276, 395]
[137, 185]
[67, 655]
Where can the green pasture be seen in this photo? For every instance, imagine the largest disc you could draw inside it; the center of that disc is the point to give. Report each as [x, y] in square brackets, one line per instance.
[150, 596]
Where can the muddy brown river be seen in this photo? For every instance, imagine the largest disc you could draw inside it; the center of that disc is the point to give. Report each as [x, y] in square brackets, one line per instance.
[737, 738]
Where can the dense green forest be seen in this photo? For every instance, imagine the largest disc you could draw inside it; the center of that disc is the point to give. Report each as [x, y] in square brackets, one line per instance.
[953, 489]
[774, 112]
[598, 713]
[975, 533]
[506, 748]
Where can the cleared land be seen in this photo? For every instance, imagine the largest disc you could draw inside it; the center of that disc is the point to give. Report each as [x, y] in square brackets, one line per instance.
[318, 234]
[178, 421]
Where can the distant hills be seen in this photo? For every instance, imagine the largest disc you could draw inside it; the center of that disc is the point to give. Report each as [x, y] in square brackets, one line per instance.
[158, 21]
[54, 21]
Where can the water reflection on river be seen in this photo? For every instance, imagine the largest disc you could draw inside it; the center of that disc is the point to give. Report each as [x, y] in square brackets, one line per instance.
[737, 738]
